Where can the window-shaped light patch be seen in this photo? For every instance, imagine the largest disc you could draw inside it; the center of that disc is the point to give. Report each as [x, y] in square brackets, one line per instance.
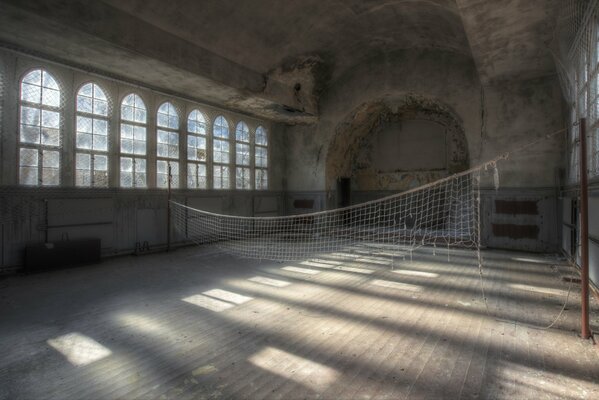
[39, 129]
[416, 273]
[217, 299]
[79, 349]
[538, 289]
[208, 303]
[290, 366]
[269, 281]
[301, 270]
[226, 295]
[396, 285]
[354, 269]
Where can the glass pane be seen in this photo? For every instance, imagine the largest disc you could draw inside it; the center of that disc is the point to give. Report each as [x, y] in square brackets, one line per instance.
[83, 161]
[34, 77]
[31, 93]
[28, 158]
[30, 116]
[261, 138]
[84, 141]
[50, 97]
[84, 124]
[50, 137]
[242, 132]
[30, 134]
[84, 104]
[50, 119]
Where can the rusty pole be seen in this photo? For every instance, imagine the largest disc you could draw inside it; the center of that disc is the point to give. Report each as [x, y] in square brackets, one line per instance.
[584, 231]
[168, 210]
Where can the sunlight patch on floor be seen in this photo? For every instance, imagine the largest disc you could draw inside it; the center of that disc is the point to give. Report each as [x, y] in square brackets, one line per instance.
[208, 303]
[317, 264]
[140, 322]
[79, 349]
[301, 270]
[396, 285]
[416, 273]
[225, 295]
[354, 269]
[295, 368]
[538, 289]
[269, 281]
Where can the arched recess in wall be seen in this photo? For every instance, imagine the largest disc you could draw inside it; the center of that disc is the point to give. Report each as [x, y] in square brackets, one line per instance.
[395, 145]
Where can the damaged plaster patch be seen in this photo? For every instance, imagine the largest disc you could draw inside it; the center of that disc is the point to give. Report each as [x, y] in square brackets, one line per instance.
[345, 157]
[300, 81]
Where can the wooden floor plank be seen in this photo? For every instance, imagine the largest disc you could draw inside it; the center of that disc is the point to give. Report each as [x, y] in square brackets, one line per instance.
[424, 333]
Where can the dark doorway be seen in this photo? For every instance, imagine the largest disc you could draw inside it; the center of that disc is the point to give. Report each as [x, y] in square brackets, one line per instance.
[343, 192]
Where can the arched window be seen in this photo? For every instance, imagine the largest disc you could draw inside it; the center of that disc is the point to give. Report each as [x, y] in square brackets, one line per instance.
[243, 179]
[133, 142]
[196, 150]
[39, 129]
[91, 138]
[221, 153]
[167, 145]
[261, 158]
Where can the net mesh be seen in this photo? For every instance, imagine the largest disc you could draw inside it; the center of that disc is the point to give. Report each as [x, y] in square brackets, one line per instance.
[442, 214]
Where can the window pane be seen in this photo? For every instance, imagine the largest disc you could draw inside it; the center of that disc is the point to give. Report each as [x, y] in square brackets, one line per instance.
[167, 116]
[242, 154]
[242, 132]
[261, 157]
[261, 179]
[133, 109]
[196, 148]
[196, 123]
[242, 178]
[221, 177]
[221, 127]
[28, 167]
[261, 138]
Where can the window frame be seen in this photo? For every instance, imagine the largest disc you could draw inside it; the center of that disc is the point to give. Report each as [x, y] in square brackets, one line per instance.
[220, 165]
[173, 163]
[195, 164]
[40, 148]
[93, 152]
[135, 158]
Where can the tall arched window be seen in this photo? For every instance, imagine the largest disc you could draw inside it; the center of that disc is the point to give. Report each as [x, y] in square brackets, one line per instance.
[261, 158]
[91, 141]
[196, 150]
[167, 145]
[39, 129]
[133, 142]
[243, 179]
[221, 153]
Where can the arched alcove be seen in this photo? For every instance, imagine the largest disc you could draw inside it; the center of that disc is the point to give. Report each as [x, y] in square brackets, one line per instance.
[395, 145]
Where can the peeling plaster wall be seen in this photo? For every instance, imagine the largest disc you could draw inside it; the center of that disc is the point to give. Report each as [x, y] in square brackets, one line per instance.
[495, 119]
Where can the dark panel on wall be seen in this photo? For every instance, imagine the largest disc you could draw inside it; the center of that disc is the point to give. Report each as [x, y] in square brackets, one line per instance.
[304, 203]
[527, 207]
[514, 231]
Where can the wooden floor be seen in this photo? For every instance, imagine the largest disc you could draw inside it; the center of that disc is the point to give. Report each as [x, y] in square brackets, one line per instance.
[194, 324]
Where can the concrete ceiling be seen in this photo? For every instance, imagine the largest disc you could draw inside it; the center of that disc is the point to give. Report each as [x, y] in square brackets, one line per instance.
[510, 38]
[251, 55]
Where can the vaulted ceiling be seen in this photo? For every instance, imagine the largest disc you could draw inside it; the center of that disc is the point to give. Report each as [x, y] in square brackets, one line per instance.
[250, 55]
